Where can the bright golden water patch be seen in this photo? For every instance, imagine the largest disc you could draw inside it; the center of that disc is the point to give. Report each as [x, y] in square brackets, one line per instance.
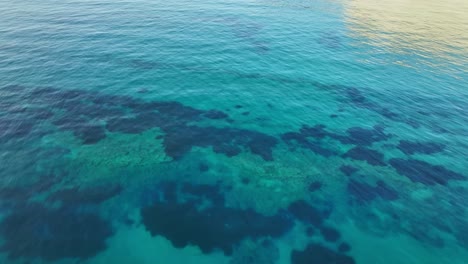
[423, 27]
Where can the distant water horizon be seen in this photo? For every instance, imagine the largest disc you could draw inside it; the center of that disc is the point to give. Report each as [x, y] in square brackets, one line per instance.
[248, 131]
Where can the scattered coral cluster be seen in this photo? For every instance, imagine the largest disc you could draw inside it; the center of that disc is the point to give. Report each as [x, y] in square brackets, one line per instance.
[57, 219]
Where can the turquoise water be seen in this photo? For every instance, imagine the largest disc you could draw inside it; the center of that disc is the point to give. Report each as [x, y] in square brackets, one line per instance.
[233, 131]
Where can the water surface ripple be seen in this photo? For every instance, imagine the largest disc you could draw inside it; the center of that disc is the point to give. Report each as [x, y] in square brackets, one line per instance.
[247, 131]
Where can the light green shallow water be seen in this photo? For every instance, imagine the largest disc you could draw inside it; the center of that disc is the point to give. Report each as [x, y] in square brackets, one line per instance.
[283, 125]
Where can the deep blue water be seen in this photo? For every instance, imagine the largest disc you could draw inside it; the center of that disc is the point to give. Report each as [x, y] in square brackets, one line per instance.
[234, 131]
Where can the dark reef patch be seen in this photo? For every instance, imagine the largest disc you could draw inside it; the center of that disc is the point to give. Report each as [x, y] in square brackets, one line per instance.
[315, 186]
[310, 231]
[16, 195]
[348, 170]
[330, 234]
[128, 125]
[306, 213]
[409, 147]
[52, 234]
[319, 149]
[300, 137]
[364, 136]
[90, 134]
[169, 191]
[88, 115]
[316, 253]
[203, 167]
[413, 123]
[179, 140]
[199, 192]
[344, 247]
[423, 234]
[317, 131]
[245, 180]
[308, 137]
[357, 98]
[364, 193]
[314, 219]
[81, 196]
[460, 234]
[191, 221]
[423, 172]
[215, 114]
[386, 192]
[14, 129]
[371, 156]
[211, 228]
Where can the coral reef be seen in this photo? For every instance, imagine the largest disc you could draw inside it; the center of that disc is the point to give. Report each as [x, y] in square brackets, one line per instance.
[423, 172]
[410, 147]
[316, 253]
[34, 231]
[371, 156]
[190, 222]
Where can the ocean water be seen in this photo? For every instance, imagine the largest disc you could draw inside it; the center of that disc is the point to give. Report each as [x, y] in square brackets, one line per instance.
[236, 131]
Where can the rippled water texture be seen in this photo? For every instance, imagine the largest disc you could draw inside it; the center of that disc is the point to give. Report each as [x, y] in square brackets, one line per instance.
[234, 131]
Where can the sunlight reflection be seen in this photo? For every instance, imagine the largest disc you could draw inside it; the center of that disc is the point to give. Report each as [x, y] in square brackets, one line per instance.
[419, 27]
